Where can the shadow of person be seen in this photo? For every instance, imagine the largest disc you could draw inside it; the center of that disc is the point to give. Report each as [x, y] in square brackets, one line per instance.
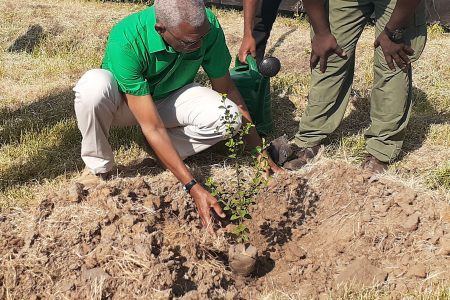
[35, 117]
[283, 112]
[41, 141]
[28, 41]
[423, 116]
[280, 41]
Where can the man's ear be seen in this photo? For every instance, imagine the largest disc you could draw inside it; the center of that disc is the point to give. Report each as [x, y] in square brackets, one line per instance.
[160, 28]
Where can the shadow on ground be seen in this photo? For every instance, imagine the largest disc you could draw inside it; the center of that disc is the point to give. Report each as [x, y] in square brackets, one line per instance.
[423, 117]
[41, 141]
[29, 40]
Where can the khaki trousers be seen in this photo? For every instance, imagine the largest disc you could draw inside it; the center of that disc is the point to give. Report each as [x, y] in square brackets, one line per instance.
[191, 115]
[391, 98]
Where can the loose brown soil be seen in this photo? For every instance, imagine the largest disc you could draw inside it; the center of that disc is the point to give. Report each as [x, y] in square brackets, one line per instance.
[131, 238]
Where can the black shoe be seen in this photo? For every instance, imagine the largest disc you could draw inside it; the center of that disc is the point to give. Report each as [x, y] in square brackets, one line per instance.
[301, 157]
[290, 156]
[280, 150]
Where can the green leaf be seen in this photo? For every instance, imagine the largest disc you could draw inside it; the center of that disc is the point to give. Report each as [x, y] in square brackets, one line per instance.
[234, 217]
[241, 227]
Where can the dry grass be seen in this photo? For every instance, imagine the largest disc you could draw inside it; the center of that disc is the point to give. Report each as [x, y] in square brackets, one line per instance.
[436, 291]
[48, 48]
[45, 48]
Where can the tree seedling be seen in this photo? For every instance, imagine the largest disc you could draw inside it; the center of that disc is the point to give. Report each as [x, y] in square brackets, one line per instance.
[240, 197]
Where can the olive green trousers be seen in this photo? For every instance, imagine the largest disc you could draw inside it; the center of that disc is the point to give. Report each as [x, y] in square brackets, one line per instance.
[391, 95]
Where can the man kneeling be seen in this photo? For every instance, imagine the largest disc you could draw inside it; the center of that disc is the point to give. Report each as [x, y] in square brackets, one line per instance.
[147, 78]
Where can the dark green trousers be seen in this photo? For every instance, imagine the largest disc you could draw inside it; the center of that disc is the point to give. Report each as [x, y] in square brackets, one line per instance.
[391, 99]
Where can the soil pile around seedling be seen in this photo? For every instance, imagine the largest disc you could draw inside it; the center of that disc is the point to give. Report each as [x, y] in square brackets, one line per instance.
[136, 238]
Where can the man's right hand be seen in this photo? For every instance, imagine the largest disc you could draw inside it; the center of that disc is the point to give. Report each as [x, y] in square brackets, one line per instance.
[323, 46]
[248, 46]
[204, 202]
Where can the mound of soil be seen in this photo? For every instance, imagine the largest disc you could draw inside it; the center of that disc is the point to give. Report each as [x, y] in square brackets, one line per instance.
[133, 238]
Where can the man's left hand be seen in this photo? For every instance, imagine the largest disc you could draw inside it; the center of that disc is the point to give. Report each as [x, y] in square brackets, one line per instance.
[397, 52]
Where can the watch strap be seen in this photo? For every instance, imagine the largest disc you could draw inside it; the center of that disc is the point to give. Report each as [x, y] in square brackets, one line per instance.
[188, 186]
[394, 35]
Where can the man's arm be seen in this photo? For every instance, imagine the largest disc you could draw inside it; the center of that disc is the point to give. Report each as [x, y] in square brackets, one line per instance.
[397, 51]
[225, 85]
[146, 114]
[403, 11]
[323, 43]
[248, 45]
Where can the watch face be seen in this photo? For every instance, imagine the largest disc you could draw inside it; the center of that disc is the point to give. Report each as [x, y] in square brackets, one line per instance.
[397, 35]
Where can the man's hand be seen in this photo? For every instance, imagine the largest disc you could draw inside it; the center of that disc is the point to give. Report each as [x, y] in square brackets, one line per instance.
[397, 52]
[204, 202]
[322, 47]
[248, 46]
[270, 166]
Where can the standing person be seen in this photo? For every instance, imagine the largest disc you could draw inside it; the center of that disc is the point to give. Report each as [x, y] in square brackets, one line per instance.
[259, 16]
[147, 78]
[400, 36]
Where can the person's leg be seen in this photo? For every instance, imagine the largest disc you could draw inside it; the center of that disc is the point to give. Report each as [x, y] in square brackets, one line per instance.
[265, 15]
[330, 91]
[192, 116]
[98, 106]
[391, 99]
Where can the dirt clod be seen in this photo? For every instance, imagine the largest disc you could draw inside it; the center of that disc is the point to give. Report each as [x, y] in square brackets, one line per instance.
[76, 192]
[242, 259]
[445, 245]
[445, 215]
[361, 272]
[419, 271]
[94, 274]
[411, 223]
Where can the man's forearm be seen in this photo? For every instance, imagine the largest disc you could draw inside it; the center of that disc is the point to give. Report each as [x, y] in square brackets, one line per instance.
[317, 17]
[147, 116]
[249, 16]
[403, 11]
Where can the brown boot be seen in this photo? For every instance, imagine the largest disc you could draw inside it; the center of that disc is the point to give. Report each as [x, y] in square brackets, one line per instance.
[374, 165]
[301, 157]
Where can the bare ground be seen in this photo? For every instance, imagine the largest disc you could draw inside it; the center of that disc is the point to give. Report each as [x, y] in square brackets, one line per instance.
[132, 237]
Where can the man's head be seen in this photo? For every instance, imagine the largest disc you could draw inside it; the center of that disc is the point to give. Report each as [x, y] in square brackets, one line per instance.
[181, 23]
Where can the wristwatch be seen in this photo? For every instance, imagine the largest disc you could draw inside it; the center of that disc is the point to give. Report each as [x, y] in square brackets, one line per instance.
[188, 186]
[395, 35]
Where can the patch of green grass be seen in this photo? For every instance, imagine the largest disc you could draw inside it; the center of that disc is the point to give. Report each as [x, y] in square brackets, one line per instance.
[298, 20]
[435, 30]
[292, 84]
[351, 147]
[20, 195]
[439, 135]
[36, 155]
[440, 177]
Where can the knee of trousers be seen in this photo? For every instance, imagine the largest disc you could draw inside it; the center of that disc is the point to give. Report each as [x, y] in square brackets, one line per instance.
[95, 88]
[234, 111]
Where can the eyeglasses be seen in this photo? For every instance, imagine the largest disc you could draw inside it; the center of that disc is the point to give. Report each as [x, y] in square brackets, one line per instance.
[188, 44]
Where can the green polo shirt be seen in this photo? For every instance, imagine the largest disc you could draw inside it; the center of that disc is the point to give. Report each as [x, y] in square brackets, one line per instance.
[143, 64]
